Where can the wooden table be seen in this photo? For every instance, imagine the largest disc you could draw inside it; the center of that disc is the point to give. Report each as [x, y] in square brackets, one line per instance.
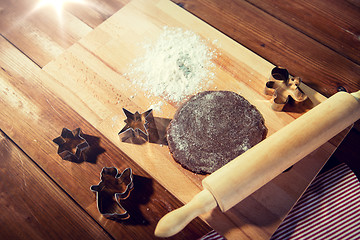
[43, 196]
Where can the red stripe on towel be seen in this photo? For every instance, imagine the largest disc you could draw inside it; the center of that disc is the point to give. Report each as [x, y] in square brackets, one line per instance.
[329, 209]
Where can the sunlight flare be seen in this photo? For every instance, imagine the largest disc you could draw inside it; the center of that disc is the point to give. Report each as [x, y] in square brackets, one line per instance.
[57, 5]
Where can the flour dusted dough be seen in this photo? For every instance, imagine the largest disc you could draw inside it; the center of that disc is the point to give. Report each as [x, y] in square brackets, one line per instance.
[212, 128]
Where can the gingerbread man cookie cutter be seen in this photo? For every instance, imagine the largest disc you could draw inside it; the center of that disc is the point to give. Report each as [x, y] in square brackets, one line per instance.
[282, 86]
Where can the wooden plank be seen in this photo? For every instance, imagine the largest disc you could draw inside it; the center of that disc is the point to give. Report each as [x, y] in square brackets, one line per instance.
[94, 67]
[318, 66]
[94, 12]
[33, 206]
[41, 34]
[323, 21]
[32, 116]
[309, 17]
[252, 225]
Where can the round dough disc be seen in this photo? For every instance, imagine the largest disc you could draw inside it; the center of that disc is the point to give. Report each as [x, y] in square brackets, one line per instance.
[212, 128]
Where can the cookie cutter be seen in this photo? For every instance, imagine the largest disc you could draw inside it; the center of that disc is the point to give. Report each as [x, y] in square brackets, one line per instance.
[112, 188]
[71, 144]
[136, 125]
[282, 86]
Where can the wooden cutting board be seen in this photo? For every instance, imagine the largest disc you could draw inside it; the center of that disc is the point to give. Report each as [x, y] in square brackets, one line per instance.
[89, 78]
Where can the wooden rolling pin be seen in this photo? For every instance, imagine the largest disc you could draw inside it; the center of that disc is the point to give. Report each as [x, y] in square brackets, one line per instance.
[245, 174]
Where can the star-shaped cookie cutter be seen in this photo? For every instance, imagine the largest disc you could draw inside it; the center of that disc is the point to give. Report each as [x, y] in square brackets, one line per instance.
[282, 86]
[112, 188]
[136, 125]
[71, 144]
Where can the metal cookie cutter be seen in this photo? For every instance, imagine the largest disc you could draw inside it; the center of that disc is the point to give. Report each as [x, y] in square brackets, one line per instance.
[282, 86]
[136, 125]
[71, 144]
[112, 188]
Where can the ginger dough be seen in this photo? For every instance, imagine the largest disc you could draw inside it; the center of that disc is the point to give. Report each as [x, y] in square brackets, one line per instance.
[212, 128]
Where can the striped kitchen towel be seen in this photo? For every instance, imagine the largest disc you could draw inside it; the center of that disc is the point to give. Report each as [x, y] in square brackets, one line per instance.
[328, 210]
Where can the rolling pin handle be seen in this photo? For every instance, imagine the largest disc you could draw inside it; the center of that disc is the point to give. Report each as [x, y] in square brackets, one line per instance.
[175, 221]
[356, 95]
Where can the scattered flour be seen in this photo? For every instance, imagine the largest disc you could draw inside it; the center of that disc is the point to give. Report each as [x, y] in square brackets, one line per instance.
[114, 120]
[177, 65]
[157, 106]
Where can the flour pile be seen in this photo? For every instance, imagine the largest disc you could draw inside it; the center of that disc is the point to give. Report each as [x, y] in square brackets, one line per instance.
[177, 65]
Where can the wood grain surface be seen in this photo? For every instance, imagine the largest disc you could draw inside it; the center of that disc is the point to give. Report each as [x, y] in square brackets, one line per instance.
[302, 26]
[33, 206]
[314, 40]
[95, 66]
[286, 32]
[324, 22]
[33, 116]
